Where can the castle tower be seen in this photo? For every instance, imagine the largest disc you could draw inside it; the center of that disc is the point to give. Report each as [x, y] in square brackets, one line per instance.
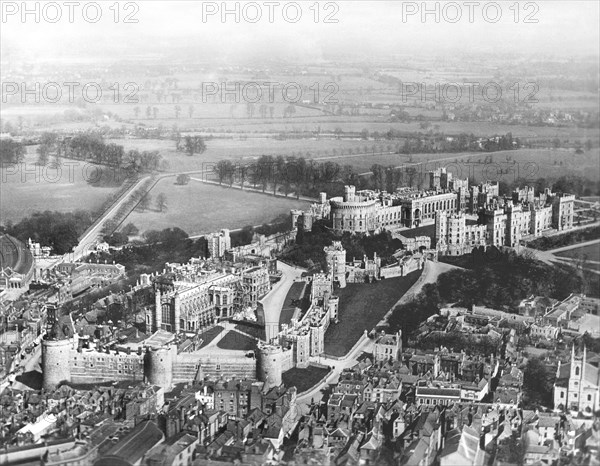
[269, 365]
[349, 193]
[158, 367]
[441, 230]
[336, 262]
[307, 221]
[157, 321]
[55, 363]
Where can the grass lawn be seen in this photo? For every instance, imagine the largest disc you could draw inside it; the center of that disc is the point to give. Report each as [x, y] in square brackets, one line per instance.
[237, 341]
[198, 208]
[592, 252]
[256, 332]
[210, 335]
[27, 188]
[427, 230]
[362, 306]
[303, 379]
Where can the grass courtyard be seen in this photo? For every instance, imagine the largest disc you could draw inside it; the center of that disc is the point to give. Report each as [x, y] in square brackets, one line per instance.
[292, 301]
[210, 335]
[237, 341]
[303, 379]
[362, 306]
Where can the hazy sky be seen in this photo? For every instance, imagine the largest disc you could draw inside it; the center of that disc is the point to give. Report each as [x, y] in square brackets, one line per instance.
[365, 28]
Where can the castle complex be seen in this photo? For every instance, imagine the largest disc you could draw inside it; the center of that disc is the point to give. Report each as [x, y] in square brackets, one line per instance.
[192, 296]
[451, 204]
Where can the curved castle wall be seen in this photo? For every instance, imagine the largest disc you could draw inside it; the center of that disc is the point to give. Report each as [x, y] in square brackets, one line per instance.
[55, 363]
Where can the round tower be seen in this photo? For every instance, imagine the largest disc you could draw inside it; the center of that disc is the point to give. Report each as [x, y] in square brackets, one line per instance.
[269, 365]
[307, 221]
[55, 363]
[158, 367]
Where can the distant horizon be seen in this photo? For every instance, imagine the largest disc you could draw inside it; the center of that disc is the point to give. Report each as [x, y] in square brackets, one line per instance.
[563, 30]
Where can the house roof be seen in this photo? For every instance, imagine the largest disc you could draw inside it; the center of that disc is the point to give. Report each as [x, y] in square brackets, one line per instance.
[134, 445]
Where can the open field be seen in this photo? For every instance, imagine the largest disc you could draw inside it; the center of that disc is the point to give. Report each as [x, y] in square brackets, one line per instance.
[362, 306]
[591, 252]
[241, 149]
[198, 208]
[303, 379]
[28, 188]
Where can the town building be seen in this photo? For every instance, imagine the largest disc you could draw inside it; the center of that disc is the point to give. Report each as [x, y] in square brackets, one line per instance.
[577, 385]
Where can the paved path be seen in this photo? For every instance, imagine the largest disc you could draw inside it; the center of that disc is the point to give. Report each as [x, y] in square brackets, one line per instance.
[273, 302]
[549, 256]
[574, 246]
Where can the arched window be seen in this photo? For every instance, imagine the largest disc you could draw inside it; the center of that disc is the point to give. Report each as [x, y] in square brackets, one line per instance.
[577, 371]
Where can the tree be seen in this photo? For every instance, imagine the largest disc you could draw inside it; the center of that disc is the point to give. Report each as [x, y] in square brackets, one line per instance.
[224, 169]
[263, 111]
[183, 179]
[145, 201]
[194, 145]
[42, 155]
[537, 384]
[130, 229]
[161, 202]
[116, 239]
[136, 111]
[191, 111]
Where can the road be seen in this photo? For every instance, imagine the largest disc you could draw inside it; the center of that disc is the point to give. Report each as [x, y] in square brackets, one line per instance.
[574, 246]
[273, 302]
[338, 365]
[88, 241]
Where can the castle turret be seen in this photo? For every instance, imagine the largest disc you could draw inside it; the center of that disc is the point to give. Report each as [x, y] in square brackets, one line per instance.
[158, 367]
[295, 214]
[55, 363]
[270, 365]
[157, 317]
